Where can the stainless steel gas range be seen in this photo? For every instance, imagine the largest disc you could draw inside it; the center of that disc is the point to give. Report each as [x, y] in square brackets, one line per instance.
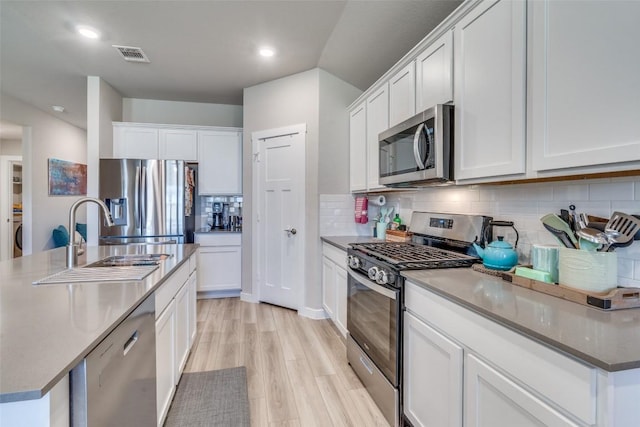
[376, 296]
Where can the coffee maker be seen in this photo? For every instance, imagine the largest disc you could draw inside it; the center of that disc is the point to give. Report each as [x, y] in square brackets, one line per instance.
[217, 216]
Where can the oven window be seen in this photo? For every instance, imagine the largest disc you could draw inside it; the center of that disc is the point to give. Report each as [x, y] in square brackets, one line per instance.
[372, 321]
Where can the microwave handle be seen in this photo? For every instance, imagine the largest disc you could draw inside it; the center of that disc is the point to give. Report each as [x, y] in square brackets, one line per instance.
[416, 147]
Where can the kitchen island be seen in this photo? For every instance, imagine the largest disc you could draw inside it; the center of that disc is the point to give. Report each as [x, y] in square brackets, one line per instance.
[518, 351]
[45, 330]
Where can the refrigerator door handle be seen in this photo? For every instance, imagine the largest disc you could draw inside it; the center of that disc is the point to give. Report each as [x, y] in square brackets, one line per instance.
[143, 190]
[136, 203]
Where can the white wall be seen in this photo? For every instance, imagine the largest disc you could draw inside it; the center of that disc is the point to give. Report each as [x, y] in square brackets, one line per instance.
[283, 102]
[333, 162]
[10, 147]
[104, 106]
[48, 137]
[523, 204]
[319, 100]
[181, 113]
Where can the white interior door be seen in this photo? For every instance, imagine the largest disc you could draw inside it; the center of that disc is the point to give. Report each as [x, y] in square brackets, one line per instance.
[279, 159]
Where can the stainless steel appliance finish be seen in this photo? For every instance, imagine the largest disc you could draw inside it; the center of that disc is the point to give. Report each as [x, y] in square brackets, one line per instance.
[146, 199]
[115, 385]
[419, 149]
[376, 296]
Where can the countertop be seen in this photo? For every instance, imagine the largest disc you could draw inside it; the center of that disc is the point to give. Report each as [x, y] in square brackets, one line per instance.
[216, 230]
[45, 330]
[342, 242]
[609, 340]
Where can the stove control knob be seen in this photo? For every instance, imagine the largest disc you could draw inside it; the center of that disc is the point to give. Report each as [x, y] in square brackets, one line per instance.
[354, 261]
[373, 273]
[385, 277]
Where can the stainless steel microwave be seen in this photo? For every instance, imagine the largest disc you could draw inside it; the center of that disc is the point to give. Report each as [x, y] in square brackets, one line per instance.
[418, 150]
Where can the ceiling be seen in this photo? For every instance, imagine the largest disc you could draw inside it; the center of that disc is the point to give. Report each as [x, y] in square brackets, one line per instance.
[200, 51]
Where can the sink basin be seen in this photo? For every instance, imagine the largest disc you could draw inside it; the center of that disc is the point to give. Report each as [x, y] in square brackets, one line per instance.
[116, 268]
[129, 260]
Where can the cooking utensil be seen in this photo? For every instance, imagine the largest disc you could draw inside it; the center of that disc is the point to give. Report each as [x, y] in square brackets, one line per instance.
[561, 236]
[555, 222]
[593, 236]
[564, 215]
[621, 229]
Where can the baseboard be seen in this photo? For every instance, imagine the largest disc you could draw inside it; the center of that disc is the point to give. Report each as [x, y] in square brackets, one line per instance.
[313, 313]
[218, 294]
[247, 297]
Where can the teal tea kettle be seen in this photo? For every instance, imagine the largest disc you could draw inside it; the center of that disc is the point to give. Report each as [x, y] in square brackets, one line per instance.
[499, 255]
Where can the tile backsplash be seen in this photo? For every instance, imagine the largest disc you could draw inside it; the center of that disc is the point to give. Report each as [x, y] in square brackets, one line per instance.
[204, 208]
[523, 204]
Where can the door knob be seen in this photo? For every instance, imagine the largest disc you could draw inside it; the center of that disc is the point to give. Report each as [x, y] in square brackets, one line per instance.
[290, 231]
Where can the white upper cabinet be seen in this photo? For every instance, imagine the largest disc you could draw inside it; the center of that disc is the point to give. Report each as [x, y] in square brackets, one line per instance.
[490, 89]
[402, 95]
[584, 83]
[358, 148]
[434, 73]
[135, 142]
[377, 121]
[178, 144]
[220, 162]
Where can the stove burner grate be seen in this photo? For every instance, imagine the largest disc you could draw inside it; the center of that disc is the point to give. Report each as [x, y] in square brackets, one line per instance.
[413, 256]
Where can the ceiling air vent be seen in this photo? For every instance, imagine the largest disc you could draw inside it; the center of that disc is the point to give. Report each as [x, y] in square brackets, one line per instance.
[132, 54]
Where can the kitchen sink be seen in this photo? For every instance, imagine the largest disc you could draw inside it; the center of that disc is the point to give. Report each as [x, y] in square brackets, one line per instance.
[129, 260]
[116, 268]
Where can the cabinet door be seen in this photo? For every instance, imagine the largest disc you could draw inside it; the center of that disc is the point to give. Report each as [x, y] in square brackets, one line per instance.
[165, 360]
[434, 68]
[182, 329]
[492, 400]
[329, 287]
[490, 90]
[377, 121]
[220, 162]
[432, 376]
[178, 144]
[219, 268]
[193, 304]
[358, 148]
[135, 142]
[584, 86]
[341, 300]
[402, 94]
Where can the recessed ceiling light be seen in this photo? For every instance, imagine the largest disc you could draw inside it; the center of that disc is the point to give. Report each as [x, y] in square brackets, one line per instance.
[266, 52]
[88, 32]
[57, 108]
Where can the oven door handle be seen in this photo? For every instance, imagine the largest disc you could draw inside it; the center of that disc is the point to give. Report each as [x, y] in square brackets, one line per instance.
[373, 286]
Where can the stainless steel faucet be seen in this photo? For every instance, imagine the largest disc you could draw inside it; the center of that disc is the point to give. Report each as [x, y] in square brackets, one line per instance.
[72, 247]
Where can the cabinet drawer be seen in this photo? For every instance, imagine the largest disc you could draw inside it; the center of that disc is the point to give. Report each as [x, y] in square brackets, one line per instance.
[168, 290]
[560, 380]
[338, 256]
[219, 239]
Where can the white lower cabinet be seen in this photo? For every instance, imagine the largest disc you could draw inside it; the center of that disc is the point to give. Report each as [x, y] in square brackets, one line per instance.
[182, 329]
[334, 286]
[175, 330]
[165, 359]
[433, 376]
[461, 368]
[219, 263]
[493, 400]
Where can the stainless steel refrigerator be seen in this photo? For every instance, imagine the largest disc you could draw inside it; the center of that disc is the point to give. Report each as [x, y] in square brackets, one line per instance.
[146, 199]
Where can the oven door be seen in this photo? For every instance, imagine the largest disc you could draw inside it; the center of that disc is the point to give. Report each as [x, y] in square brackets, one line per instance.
[373, 322]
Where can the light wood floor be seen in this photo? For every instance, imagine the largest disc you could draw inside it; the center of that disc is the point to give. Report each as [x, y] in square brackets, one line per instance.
[297, 368]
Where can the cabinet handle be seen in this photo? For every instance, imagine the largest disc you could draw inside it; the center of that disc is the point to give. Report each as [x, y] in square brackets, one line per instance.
[366, 365]
[130, 343]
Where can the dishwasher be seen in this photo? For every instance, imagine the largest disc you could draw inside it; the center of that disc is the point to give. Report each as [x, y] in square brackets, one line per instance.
[115, 385]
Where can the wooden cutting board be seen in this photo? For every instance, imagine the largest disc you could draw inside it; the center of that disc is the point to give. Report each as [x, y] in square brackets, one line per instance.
[616, 299]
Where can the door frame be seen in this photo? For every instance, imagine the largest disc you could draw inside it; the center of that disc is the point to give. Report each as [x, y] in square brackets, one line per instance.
[256, 201]
[6, 205]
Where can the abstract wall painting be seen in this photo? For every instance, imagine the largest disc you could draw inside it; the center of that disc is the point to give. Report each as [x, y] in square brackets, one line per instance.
[67, 178]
